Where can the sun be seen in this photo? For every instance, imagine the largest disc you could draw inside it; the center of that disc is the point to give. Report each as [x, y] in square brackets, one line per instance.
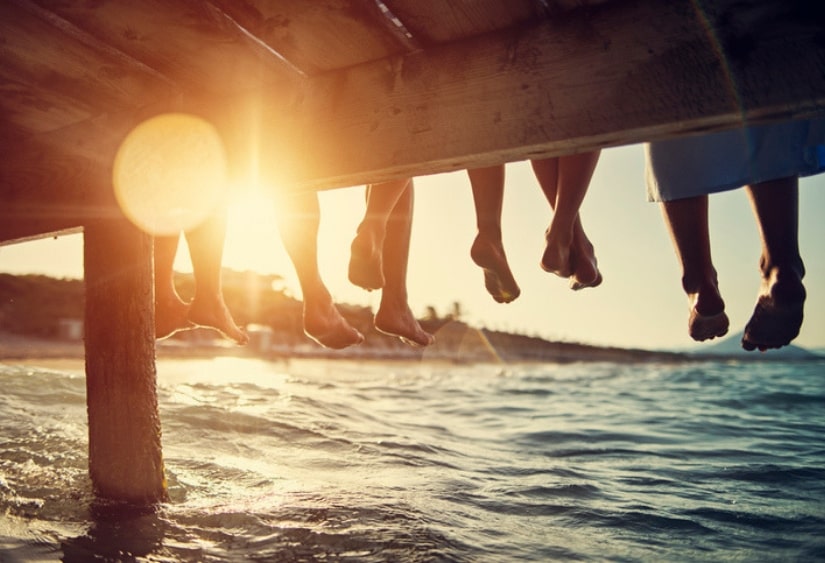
[252, 239]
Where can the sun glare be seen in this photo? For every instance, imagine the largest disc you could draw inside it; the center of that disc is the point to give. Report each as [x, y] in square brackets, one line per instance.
[253, 217]
[169, 173]
[252, 238]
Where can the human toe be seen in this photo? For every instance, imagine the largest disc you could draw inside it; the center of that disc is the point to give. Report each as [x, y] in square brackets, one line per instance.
[707, 327]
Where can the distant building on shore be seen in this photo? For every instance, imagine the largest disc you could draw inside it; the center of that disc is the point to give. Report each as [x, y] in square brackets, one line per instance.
[70, 329]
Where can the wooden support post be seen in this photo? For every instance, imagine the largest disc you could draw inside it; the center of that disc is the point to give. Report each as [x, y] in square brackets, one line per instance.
[125, 457]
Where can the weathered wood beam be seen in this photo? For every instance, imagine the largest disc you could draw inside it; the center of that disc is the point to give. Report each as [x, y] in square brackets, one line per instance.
[40, 234]
[316, 39]
[45, 199]
[125, 457]
[190, 42]
[438, 21]
[53, 74]
[62, 179]
[623, 73]
[45, 189]
[587, 80]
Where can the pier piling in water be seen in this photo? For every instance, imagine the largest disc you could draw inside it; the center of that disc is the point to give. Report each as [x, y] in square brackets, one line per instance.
[125, 457]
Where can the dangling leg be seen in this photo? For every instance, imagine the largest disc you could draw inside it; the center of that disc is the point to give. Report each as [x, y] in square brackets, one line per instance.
[365, 267]
[687, 221]
[568, 251]
[170, 310]
[206, 250]
[394, 316]
[298, 222]
[777, 317]
[488, 249]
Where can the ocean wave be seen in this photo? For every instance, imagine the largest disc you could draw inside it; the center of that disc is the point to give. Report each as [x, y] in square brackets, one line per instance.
[370, 462]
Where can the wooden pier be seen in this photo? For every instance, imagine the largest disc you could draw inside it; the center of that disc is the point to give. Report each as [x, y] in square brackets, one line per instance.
[335, 93]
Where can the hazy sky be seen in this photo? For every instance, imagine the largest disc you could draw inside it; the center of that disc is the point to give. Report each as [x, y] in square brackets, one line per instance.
[640, 303]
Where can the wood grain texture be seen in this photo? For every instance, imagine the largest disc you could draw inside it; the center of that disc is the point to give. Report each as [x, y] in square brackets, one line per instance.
[441, 21]
[561, 86]
[564, 84]
[53, 74]
[125, 456]
[190, 42]
[321, 35]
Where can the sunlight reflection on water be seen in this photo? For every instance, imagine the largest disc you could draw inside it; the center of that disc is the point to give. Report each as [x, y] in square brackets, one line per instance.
[366, 461]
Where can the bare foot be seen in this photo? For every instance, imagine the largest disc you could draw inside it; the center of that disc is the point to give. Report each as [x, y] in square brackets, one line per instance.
[556, 257]
[214, 314]
[576, 284]
[585, 267]
[401, 322]
[498, 279]
[707, 318]
[324, 324]
[171, 316]
[365, 264]
[777, 317]
[707, 327]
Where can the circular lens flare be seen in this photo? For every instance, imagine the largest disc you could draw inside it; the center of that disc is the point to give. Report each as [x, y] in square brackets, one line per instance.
[170, 173]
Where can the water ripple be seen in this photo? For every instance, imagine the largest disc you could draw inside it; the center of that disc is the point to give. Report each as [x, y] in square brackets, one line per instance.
[359, 461]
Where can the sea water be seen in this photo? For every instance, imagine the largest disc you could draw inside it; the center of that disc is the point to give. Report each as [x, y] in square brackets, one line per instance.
[368, 461]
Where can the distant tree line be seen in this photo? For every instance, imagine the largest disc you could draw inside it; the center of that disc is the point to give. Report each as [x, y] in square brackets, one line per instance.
[33, 305]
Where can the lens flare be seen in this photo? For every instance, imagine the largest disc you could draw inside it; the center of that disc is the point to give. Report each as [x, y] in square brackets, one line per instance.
[170, 173]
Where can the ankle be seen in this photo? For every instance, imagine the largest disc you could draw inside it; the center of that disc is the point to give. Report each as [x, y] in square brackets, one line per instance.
[370, 233]
[793, 269]
[483, 246]
[704, 293]
[558, 237]
[696, 281]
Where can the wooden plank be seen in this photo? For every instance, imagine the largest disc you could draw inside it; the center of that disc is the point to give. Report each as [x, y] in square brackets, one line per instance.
[561, 86]
[321, 35]
[32, 108]
[52, 75]
[439, 21]
[556, 7]
[38, 235]
[44, 188]
[188, 41]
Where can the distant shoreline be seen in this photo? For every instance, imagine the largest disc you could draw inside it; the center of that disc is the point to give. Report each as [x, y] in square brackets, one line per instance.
[15, 348]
